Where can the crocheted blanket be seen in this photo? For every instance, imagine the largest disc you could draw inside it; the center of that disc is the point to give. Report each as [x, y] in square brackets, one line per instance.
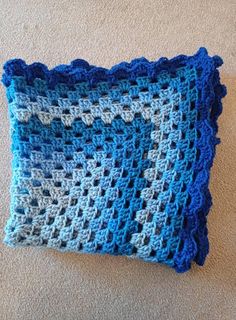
[114, 161]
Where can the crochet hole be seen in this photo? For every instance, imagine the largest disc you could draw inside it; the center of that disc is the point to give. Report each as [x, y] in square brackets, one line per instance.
[199, 71]
[127, 204]
[20, 211]
[173, 145]
[172, 198]
[103, 192]
[153, 253]
[163, 155]
[140, 227]
[131, 183]
[189, 165]
[57, 184]
[191, 126]
[115, 214]
[125, 173]
[157, 231]
[55, 202]
[156, 96]
[155, 147]
[62, 212]
[145, 155]
[137, 144]
[58, 166]
[146, 240]
[135, 164]
[162, 207]
[98, 247]
[192, 105]
[164, 243]
[121, 225]
[79, 213]
[164, 86]
[181, 155]
[109, 204]
[78, 135]
[128, 154]
[177, 176]
[138, 194]
[166, 117]
[109, 139]
[46, 193]
[170, 165]
[144, 90]
[165, 136]
[68, 175]
[176, 107]
[134, 250]
[50, 221]
[181, 245]
[36, 183]
[170, 256]
[199, 134]
[63, 244]
[96, 183]
[174, 126]
[86, 224]
[44, 242]
[42, 212]
[189, 199]
[149, 217]
[97, 214]
[34, 203]
[74, 234]
[192, 84]
[191, 144]
[73, 202]
[128, 237]
[159, 175]
[155, 195]
[165, 186]
[92, 236]
[144, 205]
[109, 237]
[36, 231]
[184, 187]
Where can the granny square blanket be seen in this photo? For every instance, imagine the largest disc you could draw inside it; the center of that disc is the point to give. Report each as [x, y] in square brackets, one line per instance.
[114, 161]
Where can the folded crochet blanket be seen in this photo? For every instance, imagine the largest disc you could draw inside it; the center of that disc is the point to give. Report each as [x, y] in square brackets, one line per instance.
[114, 161]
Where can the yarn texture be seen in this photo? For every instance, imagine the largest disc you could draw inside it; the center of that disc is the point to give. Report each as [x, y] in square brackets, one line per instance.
[114, 161]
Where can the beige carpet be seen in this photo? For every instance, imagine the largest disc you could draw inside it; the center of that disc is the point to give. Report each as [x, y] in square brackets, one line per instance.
[43, 284]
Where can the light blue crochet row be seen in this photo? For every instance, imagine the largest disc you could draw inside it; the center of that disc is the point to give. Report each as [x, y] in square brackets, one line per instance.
[114, 161]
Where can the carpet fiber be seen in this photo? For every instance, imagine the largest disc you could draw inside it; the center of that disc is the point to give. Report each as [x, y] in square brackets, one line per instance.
[45, 284]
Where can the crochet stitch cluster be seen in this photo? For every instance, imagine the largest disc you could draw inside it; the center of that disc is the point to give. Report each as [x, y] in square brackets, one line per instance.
[114, 161]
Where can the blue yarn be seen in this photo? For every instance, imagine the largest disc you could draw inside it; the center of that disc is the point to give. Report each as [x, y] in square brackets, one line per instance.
[114, 160]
